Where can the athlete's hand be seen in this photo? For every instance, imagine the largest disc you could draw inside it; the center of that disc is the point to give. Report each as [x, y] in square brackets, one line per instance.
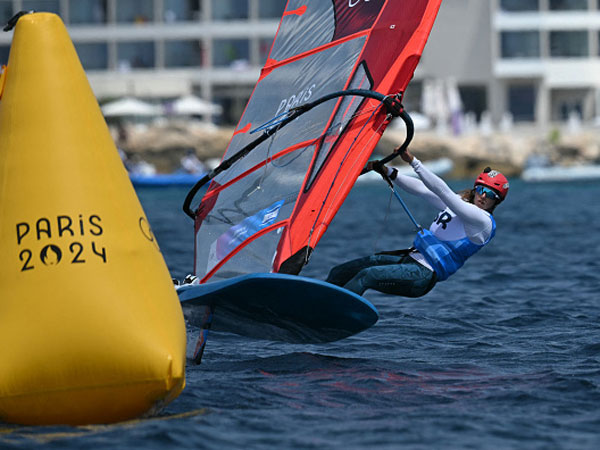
[377, 167]
[407, 156]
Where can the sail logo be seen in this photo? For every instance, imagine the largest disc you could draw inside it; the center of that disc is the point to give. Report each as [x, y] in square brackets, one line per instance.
[51, 234]
[240, 233]
[352, 4]
[294, 100]
[270, 217]
[271, 214]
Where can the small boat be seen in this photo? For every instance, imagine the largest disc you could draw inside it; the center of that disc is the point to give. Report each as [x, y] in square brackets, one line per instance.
[562, 173]
[165, 179]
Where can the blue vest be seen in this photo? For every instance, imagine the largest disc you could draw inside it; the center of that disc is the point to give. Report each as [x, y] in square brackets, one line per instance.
[446, 257]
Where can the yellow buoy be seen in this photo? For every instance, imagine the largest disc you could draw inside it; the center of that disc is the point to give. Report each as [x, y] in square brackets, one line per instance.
[91, 330]
[2, 79]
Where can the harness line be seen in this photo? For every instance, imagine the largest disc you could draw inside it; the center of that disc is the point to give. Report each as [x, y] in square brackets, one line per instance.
[410, 216]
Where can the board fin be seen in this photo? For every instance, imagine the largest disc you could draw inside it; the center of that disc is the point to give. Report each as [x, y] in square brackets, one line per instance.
[203, 335]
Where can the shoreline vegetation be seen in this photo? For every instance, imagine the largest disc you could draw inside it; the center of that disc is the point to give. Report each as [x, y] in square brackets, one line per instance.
[164, 144]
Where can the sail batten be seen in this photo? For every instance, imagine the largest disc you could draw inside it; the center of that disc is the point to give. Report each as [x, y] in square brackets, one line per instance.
[273, 63]
[271, 207]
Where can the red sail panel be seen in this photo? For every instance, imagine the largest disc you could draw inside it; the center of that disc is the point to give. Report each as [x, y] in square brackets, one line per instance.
[271, 207]
[353, 16]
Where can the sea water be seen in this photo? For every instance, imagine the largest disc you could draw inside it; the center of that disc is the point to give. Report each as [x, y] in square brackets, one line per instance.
[503, 355]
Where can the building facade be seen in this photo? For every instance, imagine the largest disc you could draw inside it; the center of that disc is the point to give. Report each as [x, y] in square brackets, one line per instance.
[538, 60]
[165, 48]
[546, 59]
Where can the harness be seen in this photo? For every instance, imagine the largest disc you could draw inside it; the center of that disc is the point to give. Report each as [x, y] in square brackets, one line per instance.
[446, 257]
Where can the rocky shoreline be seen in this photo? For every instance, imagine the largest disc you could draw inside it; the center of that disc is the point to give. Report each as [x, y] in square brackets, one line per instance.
[507, 152]
[164, 144]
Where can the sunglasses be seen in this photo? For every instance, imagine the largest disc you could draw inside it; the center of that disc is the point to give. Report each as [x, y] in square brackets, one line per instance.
[486, 192]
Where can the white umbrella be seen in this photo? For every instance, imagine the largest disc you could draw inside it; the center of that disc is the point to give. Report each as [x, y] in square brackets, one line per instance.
[191, 105]
[129, 106]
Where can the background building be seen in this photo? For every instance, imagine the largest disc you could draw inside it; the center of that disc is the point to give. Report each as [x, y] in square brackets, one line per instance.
[165, 48]
[546, 58]
[535, 61]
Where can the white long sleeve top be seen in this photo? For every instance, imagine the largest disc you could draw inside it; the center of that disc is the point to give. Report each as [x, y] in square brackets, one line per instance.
[457, 218]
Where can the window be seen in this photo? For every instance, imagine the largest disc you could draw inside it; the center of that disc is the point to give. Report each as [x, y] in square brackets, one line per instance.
[521, 102]
[229, 9]
[135, 11]
[52, 6]
[231, 52]
[569, 44]
[474, 99]
[564, 5]
[567, 102]
[183, 54]
[93, 56]
[270, 9]
[519, 5]
[520, 44]
[87, 11]
[135, 55]
[181, 10]
[6, 11]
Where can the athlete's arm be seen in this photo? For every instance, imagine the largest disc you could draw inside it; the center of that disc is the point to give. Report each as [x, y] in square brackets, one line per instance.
[416, 187]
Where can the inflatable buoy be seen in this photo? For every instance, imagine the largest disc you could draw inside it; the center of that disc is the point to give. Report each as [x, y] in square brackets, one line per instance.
[90, 325]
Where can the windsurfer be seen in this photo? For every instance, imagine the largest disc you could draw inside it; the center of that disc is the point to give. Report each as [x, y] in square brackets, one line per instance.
[464, 225]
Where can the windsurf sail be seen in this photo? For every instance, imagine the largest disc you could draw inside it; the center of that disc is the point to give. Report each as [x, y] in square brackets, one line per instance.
[333, 79]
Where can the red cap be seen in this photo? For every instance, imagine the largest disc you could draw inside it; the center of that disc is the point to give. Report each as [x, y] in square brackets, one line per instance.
[494, 180]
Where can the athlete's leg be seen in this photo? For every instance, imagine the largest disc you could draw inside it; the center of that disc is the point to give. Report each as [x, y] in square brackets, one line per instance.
[408, 279]
[340, 275]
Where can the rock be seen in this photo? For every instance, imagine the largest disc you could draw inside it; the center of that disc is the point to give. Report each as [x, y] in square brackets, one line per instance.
[165, 142]
[470, 154]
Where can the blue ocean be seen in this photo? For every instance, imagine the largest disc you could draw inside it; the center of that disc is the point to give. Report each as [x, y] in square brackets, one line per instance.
[503, 355]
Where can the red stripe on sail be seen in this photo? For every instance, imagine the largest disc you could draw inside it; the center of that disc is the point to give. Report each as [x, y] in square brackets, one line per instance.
[275, 64]
[243, 130]
[297, 12]
[293, 148]
[240, 247]
[268, 68]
